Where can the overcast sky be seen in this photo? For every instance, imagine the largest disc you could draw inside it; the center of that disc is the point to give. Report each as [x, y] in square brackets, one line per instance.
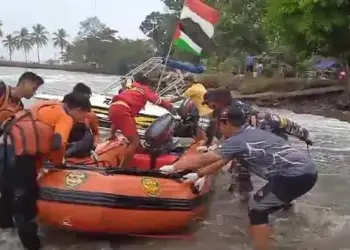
[122, 15]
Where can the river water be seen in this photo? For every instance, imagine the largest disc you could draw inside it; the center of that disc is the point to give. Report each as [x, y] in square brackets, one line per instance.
[320, 220]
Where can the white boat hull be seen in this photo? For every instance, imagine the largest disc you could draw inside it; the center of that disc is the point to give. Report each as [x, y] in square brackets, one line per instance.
[100, 105]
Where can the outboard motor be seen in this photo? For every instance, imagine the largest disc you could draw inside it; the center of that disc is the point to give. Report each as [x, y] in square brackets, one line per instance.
[189, 115]
[158, 135]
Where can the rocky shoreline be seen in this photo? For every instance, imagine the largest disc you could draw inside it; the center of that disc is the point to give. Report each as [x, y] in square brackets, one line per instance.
[323, 105]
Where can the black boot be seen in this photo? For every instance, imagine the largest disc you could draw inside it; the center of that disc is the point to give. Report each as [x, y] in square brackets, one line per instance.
[27, 233]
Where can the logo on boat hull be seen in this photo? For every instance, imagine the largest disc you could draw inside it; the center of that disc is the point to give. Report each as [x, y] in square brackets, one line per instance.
[73, 180]
[150, 186]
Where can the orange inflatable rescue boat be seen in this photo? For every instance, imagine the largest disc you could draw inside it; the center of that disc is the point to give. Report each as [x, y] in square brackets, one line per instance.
[94, 195]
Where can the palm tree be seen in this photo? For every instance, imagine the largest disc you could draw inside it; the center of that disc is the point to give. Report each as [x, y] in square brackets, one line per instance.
[39, 37]
[10, 44]
[60, 40]
[0, 29]
[24, 42]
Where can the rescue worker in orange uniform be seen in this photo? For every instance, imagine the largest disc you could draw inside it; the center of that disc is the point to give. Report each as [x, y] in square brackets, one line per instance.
[124, 108]
[10, 97]
[32, 137]
[90, 124]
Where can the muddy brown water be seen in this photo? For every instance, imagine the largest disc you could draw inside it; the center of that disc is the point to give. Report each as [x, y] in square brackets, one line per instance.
[320, 219]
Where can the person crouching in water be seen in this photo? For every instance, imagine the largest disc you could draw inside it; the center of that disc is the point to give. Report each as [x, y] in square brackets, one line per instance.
[220, 98]
[90, 124]
[10, 97]
[124, 108]
[32, 137]
[290, 173]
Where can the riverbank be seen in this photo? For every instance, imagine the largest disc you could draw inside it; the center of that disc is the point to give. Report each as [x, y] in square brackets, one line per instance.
[65, 67]
[318, 97]
[325, 104]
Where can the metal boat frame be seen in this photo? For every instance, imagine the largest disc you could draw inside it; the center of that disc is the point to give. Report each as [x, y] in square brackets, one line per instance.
[100, 101]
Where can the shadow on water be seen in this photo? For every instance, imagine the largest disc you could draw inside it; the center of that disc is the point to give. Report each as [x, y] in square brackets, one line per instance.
[320, 219]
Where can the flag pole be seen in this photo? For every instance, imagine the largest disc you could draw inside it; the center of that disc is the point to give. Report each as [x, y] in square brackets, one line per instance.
[165, 63]
[168, 54]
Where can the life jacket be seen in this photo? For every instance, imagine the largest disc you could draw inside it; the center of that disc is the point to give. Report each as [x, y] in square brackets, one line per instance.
[28, 135]
[8, 108]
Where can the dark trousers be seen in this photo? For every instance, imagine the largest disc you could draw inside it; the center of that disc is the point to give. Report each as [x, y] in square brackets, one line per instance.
[19, 193]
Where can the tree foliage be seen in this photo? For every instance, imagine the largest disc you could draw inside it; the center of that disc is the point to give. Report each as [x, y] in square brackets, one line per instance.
[160, 28]
[10, 44]
[238, 32]
[39, 37]
[311, 27]
[24, 41]
[287, 30]
[96, 44]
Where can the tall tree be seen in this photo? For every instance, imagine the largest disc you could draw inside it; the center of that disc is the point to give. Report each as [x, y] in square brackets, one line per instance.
[239, 29]
[160, 28]
[97, 45]
[60, 40]
[39, 37]
[92, 27]
[10, 44]
[24, 42]
[94, 42]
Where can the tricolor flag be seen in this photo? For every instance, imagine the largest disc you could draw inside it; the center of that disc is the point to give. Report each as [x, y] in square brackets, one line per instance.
[195, 30]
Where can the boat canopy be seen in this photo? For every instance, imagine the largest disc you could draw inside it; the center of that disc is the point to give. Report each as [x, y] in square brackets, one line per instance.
[184, 66]
[326, 64]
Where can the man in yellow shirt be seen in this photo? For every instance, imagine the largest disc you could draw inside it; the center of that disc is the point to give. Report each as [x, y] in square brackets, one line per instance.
[196, 93]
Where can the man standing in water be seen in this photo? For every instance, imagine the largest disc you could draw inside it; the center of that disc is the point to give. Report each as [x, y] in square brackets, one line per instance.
[10, 97]
[290, 173]
[220, 98]
[31, 137]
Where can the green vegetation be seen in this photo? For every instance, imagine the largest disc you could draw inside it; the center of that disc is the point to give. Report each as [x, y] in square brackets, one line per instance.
[288, 31]
[284, 33]
[95, 48]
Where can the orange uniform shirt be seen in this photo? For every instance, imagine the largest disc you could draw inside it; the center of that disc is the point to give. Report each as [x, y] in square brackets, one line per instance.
[62, 123]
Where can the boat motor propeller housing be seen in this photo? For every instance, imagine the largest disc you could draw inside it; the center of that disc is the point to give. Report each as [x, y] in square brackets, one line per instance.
[158, 135]
[160, 131]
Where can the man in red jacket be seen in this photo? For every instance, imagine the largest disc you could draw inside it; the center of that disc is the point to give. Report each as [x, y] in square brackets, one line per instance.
[124, 108]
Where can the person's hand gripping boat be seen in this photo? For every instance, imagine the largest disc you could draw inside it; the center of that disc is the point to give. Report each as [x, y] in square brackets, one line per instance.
[197, 181]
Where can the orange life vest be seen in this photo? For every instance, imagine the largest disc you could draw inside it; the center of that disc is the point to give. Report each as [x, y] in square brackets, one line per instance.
[7, 107]
[28, 135]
